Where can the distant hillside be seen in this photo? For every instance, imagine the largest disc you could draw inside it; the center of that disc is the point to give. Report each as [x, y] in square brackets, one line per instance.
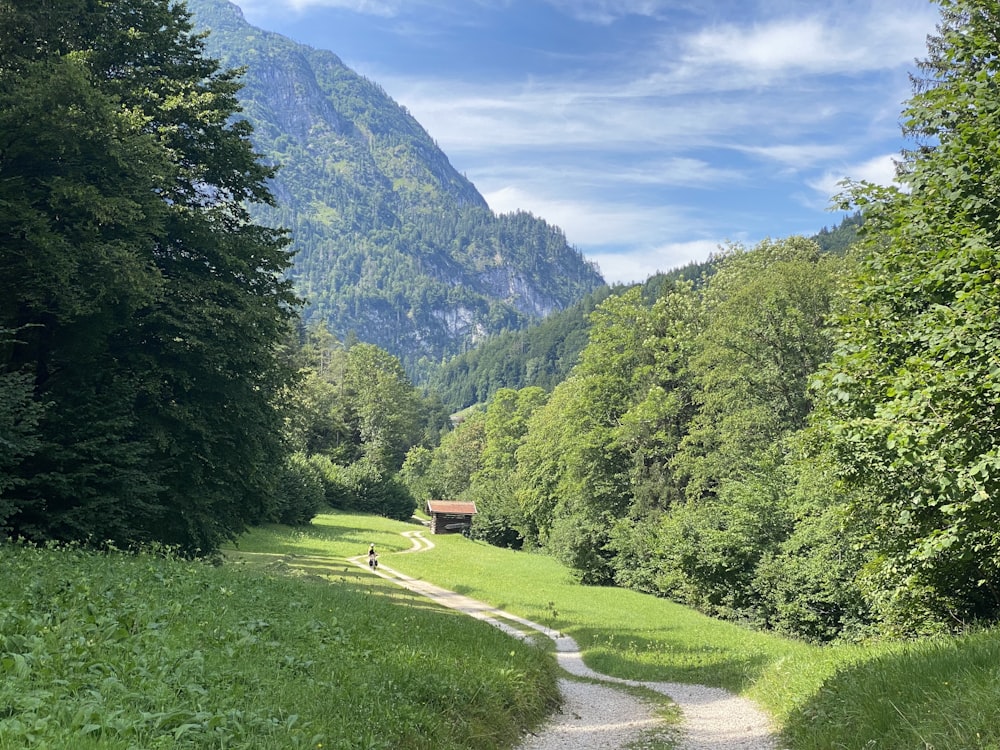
[840, 237]
[544, 353]
[393, 244]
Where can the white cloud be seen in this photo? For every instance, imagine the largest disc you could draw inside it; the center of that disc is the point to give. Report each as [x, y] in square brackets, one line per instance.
[265, 8]
[600, 115]
[604, 12]
[880, 170]
[638, 265]
[822, 44]
[591, 223]
[581, 173]
[798, 155]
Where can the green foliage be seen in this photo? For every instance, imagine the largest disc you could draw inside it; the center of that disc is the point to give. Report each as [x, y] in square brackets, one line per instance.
[354, 416]
[671, 461]
[336, 493]
[500, 520]
[657, 463]
[147, 306]
[447, 471]
[842, 237]
[372, 491]
[112, 651]
[383, 406]
[807, 582]
[301, 492]
[912, 388]
[765, 335]
[710, 550]
[543, 354]
[19, 415]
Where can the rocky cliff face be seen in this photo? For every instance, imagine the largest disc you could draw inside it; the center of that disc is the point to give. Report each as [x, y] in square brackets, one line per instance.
[392, 243]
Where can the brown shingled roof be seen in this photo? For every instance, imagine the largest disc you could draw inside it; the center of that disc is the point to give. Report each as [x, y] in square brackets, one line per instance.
[456, 507]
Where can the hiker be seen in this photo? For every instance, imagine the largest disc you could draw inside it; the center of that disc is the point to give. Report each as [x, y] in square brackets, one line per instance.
[372, 557]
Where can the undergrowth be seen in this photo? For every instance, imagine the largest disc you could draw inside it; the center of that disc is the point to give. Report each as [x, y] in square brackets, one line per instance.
[114, 650]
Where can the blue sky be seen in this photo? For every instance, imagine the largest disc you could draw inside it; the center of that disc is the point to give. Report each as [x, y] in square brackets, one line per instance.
[651, 131]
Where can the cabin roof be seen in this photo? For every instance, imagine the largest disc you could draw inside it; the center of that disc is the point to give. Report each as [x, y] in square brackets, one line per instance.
[452, 507]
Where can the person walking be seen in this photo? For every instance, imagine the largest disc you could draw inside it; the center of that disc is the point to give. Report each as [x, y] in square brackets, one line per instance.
[372, 557]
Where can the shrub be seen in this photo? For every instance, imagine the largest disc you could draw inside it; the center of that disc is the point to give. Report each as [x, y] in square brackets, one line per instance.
[373, 491]
[300, 495]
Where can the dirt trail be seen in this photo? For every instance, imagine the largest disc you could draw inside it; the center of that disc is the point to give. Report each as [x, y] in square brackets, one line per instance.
[600, 717]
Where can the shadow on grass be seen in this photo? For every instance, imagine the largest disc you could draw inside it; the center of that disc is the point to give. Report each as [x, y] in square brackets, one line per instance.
[633, 655]
[326, 570]
[934, 694]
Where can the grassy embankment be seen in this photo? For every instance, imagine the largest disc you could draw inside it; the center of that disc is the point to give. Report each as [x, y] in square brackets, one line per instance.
[940, 694]
[120, 651]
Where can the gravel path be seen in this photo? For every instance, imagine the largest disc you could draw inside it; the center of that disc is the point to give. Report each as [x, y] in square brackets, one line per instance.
[602, 717]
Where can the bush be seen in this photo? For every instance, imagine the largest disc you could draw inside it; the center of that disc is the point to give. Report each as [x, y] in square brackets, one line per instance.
[300, 495]
[335, 486]
[580, 544]
[498, 519]
[372, 491]
[808, 586]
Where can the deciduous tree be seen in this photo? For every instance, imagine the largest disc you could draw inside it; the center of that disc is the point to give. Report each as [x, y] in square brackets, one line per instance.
[913, 387]
[148, 307]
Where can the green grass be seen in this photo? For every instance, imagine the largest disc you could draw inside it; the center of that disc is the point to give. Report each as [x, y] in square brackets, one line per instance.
[335, 535]
[933, 695]
[142, 651]
[287, 645]
[939, 694]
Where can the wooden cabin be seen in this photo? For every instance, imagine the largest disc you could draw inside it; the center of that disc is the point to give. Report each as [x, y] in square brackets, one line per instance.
[450, 516]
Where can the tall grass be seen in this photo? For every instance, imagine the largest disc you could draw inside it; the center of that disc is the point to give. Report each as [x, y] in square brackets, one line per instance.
[143, 651]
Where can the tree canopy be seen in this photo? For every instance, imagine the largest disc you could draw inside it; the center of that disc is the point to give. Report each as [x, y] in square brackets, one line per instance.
[913, 386]
[142, 305]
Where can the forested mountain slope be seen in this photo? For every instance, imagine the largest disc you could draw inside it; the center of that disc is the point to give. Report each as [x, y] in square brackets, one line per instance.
[392, 243]
[544, 353]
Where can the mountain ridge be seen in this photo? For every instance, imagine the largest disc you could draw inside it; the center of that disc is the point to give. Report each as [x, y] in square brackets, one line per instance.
[393, 245]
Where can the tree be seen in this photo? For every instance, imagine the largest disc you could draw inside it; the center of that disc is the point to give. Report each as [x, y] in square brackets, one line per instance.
[149, 308]
[19, 415]
[385, 407]
[493, 487]
[912, 389]
[765, 335]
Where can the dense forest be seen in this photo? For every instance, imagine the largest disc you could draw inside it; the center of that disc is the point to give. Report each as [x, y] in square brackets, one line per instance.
[797, 435]
[804, 440]
[155, 380]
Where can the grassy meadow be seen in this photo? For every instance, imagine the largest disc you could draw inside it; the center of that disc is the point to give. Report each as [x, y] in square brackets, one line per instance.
[286, 645]
[112, 650]
[939, 694]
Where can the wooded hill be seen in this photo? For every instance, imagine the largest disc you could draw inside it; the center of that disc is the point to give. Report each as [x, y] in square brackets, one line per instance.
[391, 244]
[544, 353]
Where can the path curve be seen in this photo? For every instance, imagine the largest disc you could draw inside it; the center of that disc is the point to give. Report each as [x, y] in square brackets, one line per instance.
[598, 717]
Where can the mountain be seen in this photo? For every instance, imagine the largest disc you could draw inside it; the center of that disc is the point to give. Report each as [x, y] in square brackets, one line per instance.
[392, 244]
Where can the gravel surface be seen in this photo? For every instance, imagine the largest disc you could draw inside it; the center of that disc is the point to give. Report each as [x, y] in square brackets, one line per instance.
[603, 717]
[596, 717]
